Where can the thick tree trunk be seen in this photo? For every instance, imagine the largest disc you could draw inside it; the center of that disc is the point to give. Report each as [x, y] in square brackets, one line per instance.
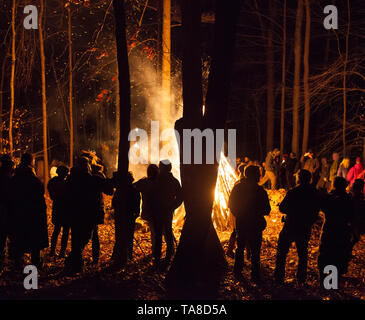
[296, 88]
[344, 79]
[199, 262]
[12, 78]
[70, 93]
[120, 248]
[270, 82]
[306, 76]
[44, 98]
[283, 82]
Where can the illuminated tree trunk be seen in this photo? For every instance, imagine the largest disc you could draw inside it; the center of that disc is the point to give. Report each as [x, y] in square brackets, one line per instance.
[44, 98]
[296, 87]
[200, 262]
[120, 251]
[166, 62]
[306, 77]
[117, 108]
[2, 102]
[283, 82]
[70, 93]
[270, 83]
[12, 79]
[344, 79]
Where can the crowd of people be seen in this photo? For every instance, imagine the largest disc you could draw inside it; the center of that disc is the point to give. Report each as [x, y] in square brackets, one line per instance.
[281, 171]
[78, 208]
[337, 189]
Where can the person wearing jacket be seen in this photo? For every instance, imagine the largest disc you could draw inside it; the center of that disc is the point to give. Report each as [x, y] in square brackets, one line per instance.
[270, 169]
[106, 187]
[84, 192]
[334, 168]
[249, 203]
[355, 171]
[344, 168]
[323, 183]
[60, 211]
[28, 212]
[301, 206]
[148, 187]
[170, 198]
[335, 247]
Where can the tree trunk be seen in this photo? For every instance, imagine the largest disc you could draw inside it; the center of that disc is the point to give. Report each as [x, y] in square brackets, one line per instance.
[70, 85]
[2, 102]
[12, 79]
[344, 79]
[270, 83]
[44, 98]
[120, 251]
[200, 262]
[283, 83]
[117, 108]
[296, 87]
[166, 63]
[306, 76]
[70, 93]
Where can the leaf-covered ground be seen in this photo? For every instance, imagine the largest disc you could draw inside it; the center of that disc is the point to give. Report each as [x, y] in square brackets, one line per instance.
[140, 281]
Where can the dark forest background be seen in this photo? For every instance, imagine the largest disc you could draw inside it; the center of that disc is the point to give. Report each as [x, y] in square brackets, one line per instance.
[259, 51]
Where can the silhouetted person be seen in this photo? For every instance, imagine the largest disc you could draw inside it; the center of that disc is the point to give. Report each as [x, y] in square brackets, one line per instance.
[60, 210]
[335, 248]
[97, 172]
[170, 198]
[148, 187]
[233, 237]
[271, 168]
[249, 203]
[6, 172]
[301, 206]
[28, 212]
[84, 192]
[133, 210]
[358, 220]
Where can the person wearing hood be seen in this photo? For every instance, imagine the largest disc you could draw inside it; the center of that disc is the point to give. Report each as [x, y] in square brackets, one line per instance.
[355, 171]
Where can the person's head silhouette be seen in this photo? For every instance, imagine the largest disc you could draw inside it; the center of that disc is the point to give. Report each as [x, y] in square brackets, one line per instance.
[340, 184]
[27, 159]
[252, 173]
[152, 171]
[304, 177]
[165, 166]
[62, 171]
